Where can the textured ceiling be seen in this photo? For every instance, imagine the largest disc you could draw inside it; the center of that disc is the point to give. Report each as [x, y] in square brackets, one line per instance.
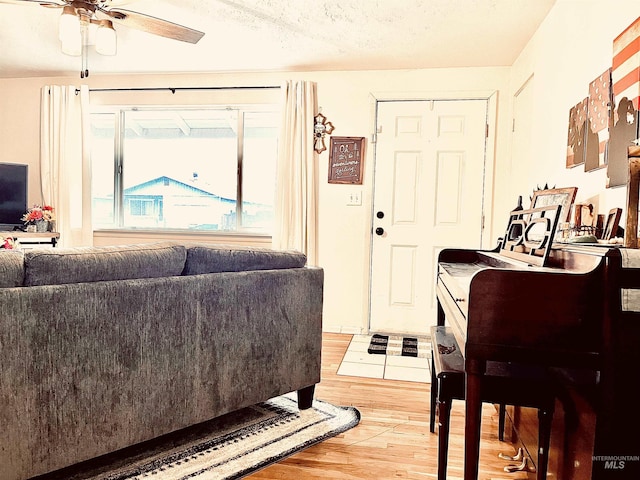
[251, 35]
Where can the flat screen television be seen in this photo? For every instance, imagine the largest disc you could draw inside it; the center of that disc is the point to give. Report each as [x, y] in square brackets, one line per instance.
[13, 194]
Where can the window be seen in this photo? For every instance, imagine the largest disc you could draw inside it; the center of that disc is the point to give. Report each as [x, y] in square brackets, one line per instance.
[141, 207]
[184, 168]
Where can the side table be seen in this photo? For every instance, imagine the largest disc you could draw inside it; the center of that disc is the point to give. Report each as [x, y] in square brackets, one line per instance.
[33, 239]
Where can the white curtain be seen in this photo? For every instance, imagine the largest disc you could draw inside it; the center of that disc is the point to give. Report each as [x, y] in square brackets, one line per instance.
[65, 168]
[296, 215]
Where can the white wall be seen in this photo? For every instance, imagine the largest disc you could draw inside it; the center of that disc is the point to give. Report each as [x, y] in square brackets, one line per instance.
[20, 128]
[346, 99]
[572, 47]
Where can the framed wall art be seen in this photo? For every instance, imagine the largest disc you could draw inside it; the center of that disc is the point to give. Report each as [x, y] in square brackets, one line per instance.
[576, 134]
[346, 155]
[598, 122]
[626, 102]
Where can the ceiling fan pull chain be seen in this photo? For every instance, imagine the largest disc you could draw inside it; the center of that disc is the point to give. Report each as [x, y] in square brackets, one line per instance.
[84, 27]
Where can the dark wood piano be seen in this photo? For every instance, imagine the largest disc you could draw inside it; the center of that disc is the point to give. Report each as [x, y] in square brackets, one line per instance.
[577, 310]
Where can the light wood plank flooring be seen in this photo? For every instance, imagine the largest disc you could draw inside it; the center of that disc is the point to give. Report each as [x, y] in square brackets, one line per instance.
[393, 438]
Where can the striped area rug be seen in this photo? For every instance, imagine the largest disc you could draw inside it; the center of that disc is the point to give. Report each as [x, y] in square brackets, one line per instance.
[230, 447]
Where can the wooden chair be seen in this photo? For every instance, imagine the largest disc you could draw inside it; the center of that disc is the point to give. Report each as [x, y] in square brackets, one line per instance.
[503, 383]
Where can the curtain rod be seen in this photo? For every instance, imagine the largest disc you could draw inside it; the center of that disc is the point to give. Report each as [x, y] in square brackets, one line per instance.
[174, 89]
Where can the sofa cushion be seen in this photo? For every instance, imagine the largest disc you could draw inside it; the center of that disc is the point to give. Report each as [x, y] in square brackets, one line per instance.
[93, 264]
[221, 258]
[11, 268]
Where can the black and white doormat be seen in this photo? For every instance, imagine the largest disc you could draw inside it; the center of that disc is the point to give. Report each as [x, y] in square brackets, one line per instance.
[398, 345]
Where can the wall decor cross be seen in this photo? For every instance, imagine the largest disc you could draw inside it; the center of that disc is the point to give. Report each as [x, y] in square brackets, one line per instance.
[320, 128]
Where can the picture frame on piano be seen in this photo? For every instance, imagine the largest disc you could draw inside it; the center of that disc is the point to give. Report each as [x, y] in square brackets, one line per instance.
[611, 226]
[556, 196]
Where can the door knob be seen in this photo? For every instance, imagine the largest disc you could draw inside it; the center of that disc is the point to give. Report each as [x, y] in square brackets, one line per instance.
[379, 231]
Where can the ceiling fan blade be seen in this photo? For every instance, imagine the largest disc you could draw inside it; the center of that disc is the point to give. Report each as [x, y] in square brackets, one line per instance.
[44, 3]
[154, 25]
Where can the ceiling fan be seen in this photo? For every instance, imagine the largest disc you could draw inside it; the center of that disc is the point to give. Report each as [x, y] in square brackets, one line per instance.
[78, 15]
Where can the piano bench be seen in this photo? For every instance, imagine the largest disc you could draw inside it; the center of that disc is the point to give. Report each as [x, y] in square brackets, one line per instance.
[503, 383]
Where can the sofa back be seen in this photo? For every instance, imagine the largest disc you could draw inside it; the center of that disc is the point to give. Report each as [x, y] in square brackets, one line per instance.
[58, 266]
[95, 264]
[223, 258]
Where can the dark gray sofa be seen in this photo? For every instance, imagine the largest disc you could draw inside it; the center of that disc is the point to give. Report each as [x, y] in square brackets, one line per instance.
[103, 348]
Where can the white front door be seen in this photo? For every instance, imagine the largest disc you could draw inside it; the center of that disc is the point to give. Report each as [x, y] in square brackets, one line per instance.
[429, 178]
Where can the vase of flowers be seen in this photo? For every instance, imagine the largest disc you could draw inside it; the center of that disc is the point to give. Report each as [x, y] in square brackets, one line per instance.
[42, 226]
[39, 218]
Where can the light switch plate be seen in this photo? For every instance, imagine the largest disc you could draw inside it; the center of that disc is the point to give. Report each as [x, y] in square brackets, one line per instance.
[354, 198]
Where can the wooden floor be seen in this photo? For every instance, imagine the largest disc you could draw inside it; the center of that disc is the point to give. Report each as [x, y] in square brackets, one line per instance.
[392, 439]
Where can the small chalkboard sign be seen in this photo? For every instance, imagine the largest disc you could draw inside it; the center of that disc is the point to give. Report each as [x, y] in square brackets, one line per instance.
[345, 160]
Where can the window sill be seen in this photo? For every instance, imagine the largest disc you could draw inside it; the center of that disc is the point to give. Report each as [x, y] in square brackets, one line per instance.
[124, 236]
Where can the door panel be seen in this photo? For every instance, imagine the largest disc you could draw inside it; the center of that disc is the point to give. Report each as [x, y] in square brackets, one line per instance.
[405, 193]
[429, 185]
[448, 181]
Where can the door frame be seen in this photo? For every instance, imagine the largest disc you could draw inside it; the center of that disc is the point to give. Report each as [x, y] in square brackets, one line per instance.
[491, 96]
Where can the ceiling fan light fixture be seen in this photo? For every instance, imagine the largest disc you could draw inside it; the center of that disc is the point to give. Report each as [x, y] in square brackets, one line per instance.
[69, 26]
[70, 32]
[106, 40]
